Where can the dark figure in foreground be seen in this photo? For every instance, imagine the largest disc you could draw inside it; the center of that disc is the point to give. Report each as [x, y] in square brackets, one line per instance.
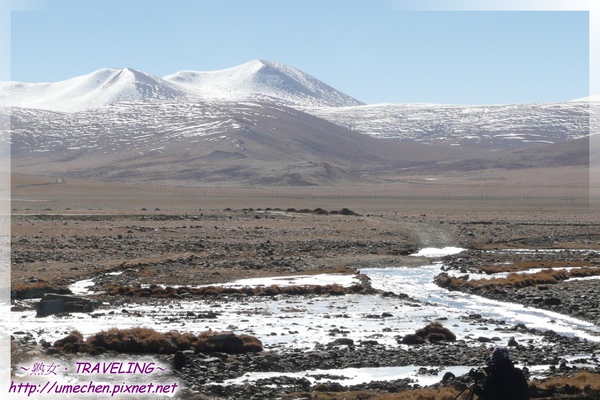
[503, 381]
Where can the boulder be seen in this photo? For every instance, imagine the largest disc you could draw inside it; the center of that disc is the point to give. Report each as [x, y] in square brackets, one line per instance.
[179, 360]
[342, 342]
[57, 303]
[552, 301]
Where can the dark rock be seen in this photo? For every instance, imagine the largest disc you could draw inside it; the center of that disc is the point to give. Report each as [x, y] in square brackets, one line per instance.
[552, 301]
[411, 338]
[448, 376]
[179, 360]
[342, 342]
[57, 303]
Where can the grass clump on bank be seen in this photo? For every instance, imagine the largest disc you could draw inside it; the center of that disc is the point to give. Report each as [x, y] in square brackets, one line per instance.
[146, 340]
[581, 385]
[546, 277]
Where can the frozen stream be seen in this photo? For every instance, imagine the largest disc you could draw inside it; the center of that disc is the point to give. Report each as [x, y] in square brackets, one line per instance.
[418, 283]
[302, 323]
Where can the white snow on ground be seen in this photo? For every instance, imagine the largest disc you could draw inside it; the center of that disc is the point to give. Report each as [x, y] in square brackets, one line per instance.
[298, 280]
[437, 252]
[357, 376]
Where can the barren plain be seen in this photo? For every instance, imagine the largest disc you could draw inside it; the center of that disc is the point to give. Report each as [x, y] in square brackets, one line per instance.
[63, 231]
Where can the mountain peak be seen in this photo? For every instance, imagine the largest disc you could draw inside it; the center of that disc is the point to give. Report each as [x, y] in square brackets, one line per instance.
[259, 79]
[254, 80]
[100, 88]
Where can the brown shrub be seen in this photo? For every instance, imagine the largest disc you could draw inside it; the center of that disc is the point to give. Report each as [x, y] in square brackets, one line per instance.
[136, 340]
[545, 277]
[74, 336]
[227, 342]
[435, 332]
[73, 343]
[251, 344]
[582, 380]
[146, 340]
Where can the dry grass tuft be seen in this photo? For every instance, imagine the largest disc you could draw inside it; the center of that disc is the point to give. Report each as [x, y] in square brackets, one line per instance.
[138, 340]
[435, 332]
[545, 277]
[582, 380]
[73, 343]
[146, 340]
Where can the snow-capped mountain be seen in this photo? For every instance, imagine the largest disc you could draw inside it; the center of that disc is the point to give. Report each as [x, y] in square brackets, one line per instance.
[261, 79]
[251, 81]
[268, 123]
[97, 89]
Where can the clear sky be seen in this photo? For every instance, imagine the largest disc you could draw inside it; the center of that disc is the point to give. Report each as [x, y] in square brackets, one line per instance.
[376, 51]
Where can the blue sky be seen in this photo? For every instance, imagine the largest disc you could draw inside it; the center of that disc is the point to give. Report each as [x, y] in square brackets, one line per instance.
[376, 51]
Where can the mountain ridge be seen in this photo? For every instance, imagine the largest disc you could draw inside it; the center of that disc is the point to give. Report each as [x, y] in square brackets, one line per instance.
[94, 90]
[265, 123]
[254, 80]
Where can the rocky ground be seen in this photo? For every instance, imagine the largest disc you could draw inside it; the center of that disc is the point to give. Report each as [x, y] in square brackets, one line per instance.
[51, 249]
[203, 373]
[202, 247]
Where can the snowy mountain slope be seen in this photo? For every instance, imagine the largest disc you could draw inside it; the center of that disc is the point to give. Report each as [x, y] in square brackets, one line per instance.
[256, 143]
[97, 89]
[251, 81]
[202, 141]
[502, 125]
[261, 79]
